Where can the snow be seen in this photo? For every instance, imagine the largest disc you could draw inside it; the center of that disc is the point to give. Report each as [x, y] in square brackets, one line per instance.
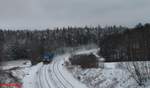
[30, 79]
[110, 76]
[110, 65]
[74, 83]
[101, 78]
[17, 68]
[53, 75]
[58, 75]
[87, 51]
[15, 63]
[113, 75]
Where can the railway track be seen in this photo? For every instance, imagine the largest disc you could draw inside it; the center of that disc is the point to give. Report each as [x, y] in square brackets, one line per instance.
[39, 79]
[51, 77]
[42, 71]
[45, 75]
[53, 69]
[52, 72]
[71, 86]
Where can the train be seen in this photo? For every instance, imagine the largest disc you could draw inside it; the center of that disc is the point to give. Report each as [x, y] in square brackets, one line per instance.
[48, 57]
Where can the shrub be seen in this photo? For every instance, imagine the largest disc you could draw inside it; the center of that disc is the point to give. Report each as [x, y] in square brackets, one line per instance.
[84, 60]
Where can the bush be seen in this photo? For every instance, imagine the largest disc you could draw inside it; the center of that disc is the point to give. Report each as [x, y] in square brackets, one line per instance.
[139, 71]
[85, 61]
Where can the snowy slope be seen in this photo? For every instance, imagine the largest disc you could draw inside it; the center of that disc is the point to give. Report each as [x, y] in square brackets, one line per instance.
[64, 75]
[56, 75]
[29, 80]
[15, 63]
[53, 75]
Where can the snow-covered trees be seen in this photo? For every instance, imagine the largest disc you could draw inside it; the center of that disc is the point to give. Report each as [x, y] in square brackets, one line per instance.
[1, 44]
[114, 41]
[132, 44]
[17, 43]
[18, 52]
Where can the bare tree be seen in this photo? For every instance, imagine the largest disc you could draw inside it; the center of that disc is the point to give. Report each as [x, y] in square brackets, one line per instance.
[139, 70]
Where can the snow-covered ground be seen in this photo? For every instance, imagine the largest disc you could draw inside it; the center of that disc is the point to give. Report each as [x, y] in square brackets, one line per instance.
[14, 71]
[57, 75]
[53, 75]
[14, 64]
[29, 80]
[111, 76]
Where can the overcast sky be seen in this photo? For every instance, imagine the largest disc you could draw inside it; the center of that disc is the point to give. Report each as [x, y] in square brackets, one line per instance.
[59, 13]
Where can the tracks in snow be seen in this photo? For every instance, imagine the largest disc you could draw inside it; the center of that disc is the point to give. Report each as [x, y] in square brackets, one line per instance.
[59, 77]
[58, 69]
[50, 75]
[43, 79]
[46, 78]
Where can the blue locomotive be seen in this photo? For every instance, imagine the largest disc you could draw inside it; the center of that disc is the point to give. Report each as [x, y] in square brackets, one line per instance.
[48, 57]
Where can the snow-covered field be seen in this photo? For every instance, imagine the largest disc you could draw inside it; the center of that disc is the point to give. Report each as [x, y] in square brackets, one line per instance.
[112, 75]
[107, 77]
[14, 71]
[57, 75]
[14, 64]
[53, 75]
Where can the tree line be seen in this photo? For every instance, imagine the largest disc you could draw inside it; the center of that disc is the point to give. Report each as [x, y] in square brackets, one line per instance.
[31, 44]
[130, 45]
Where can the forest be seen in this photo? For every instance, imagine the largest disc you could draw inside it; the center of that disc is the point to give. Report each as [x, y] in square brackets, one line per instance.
[130, 45]
[115, 42]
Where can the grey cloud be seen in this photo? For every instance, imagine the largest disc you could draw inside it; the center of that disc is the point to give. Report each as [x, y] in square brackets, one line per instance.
[53, 13]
